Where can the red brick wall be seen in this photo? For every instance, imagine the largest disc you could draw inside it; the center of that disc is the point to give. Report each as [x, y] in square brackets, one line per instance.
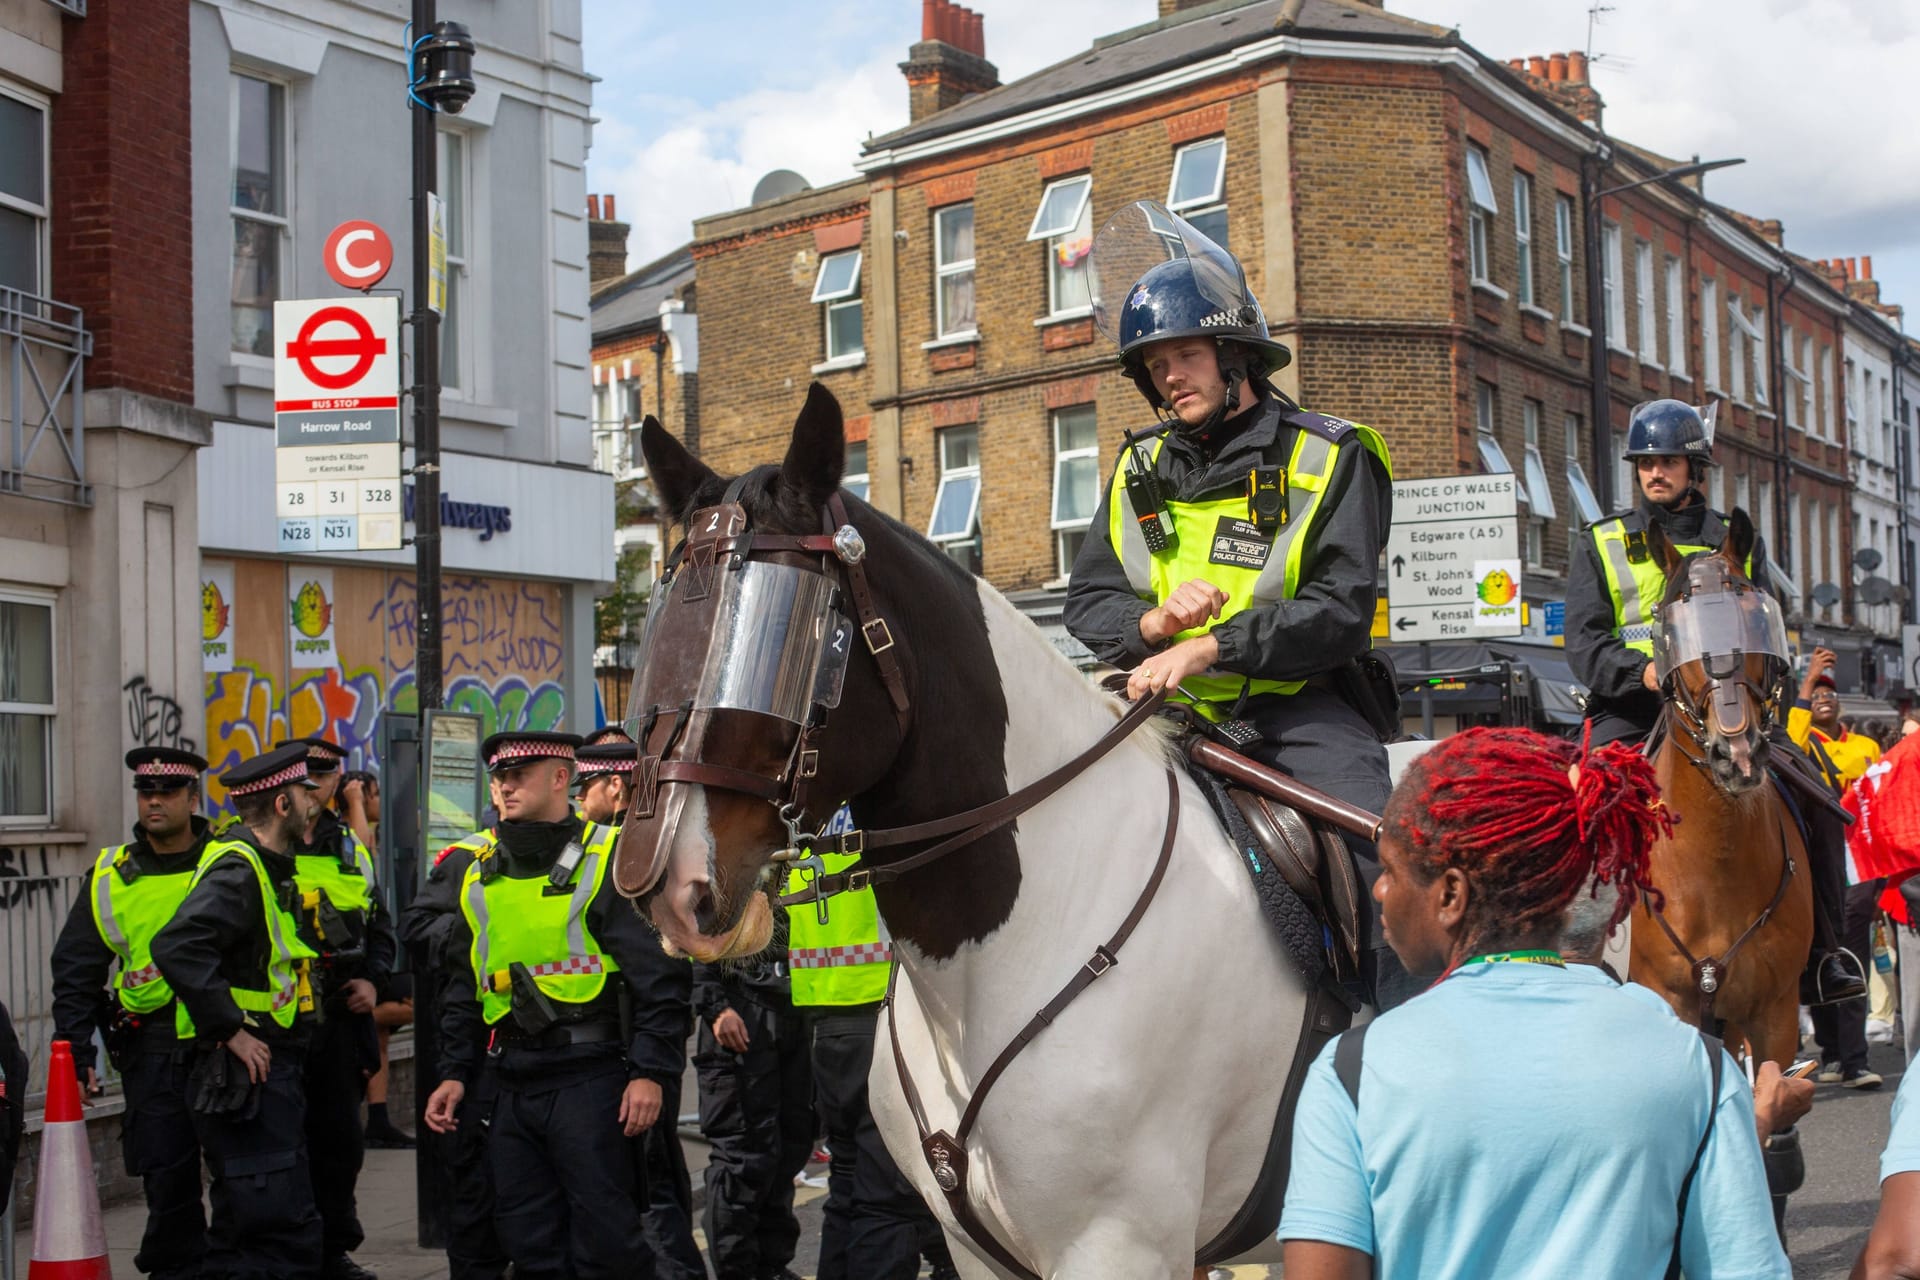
[122, 226]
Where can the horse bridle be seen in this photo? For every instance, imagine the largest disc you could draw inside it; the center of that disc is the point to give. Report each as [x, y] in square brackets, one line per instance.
[721, 539]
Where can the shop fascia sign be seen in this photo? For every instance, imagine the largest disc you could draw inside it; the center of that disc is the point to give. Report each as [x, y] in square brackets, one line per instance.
[480, 516]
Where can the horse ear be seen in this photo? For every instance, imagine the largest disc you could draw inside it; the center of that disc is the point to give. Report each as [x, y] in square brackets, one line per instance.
[676, 474]
[818, 452]
[1661, 548]
[1740, 539]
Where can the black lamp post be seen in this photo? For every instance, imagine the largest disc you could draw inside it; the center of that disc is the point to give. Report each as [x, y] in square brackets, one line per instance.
[440, 79]
[1599, 413]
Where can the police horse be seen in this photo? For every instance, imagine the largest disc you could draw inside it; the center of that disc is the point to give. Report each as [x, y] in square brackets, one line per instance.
[1726, 938]
[1092, 1025]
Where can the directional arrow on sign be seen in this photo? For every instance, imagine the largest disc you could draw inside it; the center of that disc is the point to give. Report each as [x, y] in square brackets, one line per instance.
[1404, 623]
[1399, 566]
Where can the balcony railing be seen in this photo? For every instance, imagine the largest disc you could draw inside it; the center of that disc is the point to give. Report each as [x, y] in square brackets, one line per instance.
[78, 8]
[44, 347]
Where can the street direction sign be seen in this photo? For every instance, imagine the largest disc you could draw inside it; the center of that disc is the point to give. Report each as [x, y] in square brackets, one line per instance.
[336, 391]
[1453, 559]
[358, 255]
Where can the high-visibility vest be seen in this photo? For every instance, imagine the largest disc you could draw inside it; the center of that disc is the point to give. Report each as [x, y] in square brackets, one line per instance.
[348, 888]
[531, 922]
[1635, 580]
[289, 990]
[845, 961]
[1206, 546]
[128, 909]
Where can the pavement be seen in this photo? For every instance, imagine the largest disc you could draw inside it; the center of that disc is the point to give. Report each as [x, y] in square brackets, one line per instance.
[1827, 1221]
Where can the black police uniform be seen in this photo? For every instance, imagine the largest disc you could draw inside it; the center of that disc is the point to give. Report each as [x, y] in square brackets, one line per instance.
[668, 1216]
[345, 1051]
[474, 1251]
[264, 1223]
[756, 1111]
[569, 1187]
[157, 1142]
[1315, 735]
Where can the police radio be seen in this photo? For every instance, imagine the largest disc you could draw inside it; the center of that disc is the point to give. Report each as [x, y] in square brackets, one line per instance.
[1148, 502]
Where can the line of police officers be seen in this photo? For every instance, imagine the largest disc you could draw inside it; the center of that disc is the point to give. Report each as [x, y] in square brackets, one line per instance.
[231, 971]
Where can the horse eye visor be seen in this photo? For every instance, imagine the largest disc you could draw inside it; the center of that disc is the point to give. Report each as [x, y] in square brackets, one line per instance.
[761, 637]
[1713, 627]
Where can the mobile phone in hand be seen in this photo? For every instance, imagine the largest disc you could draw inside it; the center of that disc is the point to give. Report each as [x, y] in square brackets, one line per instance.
[1802, 1069]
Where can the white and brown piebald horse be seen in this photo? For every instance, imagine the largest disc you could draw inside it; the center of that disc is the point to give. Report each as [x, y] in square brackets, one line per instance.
[1126, 1135]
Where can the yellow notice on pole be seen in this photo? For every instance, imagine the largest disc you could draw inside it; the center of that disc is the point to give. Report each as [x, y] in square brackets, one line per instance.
[437, 253]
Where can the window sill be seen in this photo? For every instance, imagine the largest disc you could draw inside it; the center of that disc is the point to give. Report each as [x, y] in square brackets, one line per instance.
[25, 834]
[1580, 330]
[952, 340]
[1062, 317]
[484, 415]
[252, 372]
[1491, 289]
[1628, 352]
[1681, 374]
[839, 363]
[1532, 310]
[1057, 584]
[1654, 365]
[1766, 414]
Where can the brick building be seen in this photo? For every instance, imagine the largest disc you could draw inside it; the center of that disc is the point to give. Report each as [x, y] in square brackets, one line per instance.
[1412, 214]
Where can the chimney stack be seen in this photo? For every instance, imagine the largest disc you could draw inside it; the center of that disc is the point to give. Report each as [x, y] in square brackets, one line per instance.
[606, 242]
[1561, 78]
[950, 60]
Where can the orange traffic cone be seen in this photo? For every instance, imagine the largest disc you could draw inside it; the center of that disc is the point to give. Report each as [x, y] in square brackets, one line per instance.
[69, 1241]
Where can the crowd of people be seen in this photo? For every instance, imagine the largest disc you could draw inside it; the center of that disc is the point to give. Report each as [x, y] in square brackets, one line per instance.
[244, 976]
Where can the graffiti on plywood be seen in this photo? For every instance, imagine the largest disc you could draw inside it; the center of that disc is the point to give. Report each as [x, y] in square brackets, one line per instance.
[246, 715]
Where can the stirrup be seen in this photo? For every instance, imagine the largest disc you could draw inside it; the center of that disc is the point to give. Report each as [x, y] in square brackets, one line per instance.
[1858, 978]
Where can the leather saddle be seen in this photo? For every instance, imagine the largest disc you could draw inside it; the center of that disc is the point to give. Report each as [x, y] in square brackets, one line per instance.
[1317, 867]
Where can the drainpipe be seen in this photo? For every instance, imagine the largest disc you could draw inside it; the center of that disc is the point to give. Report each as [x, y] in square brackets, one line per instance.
[1782, 280]
[1903, 459]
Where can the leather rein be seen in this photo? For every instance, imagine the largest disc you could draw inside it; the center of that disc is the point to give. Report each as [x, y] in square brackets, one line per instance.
[945, 1153]
[1709, 972]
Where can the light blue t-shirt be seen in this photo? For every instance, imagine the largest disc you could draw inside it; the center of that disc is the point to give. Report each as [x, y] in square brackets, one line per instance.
[1903, 1143]
[1522, 1120]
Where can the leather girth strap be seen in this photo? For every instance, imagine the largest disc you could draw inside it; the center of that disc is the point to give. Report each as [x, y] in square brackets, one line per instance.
[1710, 972]
[946, 1153]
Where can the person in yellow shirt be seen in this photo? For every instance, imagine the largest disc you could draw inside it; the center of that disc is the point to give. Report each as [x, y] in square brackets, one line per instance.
[1813, 722]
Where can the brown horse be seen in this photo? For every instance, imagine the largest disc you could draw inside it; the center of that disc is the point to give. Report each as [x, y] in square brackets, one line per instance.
[1729, 944]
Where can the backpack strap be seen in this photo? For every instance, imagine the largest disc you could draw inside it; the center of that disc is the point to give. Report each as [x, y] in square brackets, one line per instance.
[1347, 1052]
[1716, 1056]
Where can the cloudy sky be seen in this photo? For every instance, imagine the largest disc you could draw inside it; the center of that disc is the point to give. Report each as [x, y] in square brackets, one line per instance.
[695, 104]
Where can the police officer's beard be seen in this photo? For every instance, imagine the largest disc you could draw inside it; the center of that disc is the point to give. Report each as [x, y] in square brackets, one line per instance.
[1229, 405]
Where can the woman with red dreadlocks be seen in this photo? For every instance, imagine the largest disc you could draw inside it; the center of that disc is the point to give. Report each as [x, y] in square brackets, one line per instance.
[1522, 1116]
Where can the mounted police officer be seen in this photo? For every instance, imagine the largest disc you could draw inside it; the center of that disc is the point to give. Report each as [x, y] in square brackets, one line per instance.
[344, 919]
[233, 956]
[590, 1020]
[1234, 556]
[1614, 587]
[132, 890]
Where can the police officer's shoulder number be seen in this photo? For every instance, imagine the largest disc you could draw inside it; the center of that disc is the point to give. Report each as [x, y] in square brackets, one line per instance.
[1629, 516]
[1324, 425]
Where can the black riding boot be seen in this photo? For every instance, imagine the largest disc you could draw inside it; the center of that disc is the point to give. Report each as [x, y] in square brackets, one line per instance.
[1830, 977]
